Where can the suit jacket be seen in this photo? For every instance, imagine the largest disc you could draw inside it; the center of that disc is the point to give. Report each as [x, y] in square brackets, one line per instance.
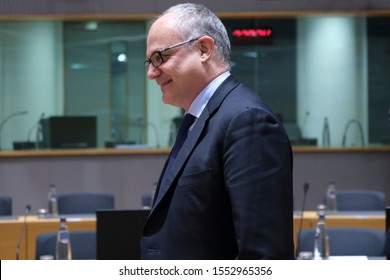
[230, 187]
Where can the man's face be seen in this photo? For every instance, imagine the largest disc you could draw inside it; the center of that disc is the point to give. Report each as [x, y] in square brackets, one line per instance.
[179, 75]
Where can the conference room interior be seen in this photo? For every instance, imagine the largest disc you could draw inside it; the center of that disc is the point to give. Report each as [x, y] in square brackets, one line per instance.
[77, 110]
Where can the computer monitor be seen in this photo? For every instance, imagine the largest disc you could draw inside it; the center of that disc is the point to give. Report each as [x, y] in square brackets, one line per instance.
[118, 233]
[69, 132]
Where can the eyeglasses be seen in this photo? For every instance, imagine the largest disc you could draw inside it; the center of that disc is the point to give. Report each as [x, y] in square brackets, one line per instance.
[156, 58]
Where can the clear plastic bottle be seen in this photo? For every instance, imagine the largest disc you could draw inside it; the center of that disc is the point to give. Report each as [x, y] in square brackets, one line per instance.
[321, 241]
[331, 202]
[63, 248]
[52, 199]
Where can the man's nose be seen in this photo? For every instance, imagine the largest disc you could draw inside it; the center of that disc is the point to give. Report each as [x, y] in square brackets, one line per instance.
[153, 72]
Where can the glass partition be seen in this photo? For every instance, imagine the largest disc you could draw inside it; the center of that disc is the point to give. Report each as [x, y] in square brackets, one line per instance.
[326, 76]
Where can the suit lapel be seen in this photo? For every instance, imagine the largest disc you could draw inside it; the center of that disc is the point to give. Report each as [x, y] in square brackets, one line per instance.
[212, 106]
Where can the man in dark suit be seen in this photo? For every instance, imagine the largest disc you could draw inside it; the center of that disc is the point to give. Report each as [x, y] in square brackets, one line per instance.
[228, 193]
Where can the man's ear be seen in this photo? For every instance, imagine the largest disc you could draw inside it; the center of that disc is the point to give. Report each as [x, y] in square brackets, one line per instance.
[206, 47]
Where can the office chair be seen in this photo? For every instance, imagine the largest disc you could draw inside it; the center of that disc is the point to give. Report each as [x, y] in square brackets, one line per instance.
[82, 242]
[360, 200]
[84, 203]
[5, 205]
[346, 241]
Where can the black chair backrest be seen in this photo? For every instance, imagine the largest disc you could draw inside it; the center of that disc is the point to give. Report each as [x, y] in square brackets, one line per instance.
[5, 205]
[84, 203]
[360, 200]
[347, 241]
[83, 244]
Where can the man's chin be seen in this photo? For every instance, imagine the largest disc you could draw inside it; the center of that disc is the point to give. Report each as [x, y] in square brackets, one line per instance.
[171, 102]
[166, 99]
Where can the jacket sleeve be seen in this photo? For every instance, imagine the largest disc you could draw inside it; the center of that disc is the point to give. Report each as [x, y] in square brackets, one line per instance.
[258, 177]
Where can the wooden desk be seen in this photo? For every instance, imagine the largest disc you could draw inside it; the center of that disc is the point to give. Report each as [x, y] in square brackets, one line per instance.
[375, 220]
[10, 229]
[37, 226]
[367, 219]
[9, 236]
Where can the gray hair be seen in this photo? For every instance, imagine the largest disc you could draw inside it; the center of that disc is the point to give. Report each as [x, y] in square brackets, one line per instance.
[195, 20]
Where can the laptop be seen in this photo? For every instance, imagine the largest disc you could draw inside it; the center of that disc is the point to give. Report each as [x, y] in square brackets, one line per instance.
[118, 233]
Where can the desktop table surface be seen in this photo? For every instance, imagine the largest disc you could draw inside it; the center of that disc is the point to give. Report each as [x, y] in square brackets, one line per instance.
[11, 227]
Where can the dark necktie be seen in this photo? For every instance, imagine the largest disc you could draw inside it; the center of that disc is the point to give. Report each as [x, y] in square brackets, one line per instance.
[188, 120]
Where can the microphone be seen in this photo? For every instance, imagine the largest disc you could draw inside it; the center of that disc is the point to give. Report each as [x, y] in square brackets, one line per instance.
[14, 114]
[39, 132]
[26, 212]
[305, 189]
[154, 127]
[307, 113]
[359, 125]
[144, 123]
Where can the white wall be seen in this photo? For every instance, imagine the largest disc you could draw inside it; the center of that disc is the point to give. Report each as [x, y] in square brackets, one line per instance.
[332, 76]
[26, 179]
[31, 76]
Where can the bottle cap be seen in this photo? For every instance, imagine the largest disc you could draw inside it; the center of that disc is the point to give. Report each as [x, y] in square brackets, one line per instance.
[46, 257]
[305, 255]
[321, 210]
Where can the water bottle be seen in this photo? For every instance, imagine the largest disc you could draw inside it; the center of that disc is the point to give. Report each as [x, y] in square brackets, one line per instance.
[326, 133]
[147, 198]
[321, 241]
[52, 197]
[63, 248]
[331, 203]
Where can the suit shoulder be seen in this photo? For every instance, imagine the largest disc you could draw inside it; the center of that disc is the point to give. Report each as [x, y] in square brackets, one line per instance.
[242, 97]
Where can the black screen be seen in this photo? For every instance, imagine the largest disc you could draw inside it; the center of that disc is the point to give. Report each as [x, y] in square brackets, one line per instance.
[118, 233]
[69, 132]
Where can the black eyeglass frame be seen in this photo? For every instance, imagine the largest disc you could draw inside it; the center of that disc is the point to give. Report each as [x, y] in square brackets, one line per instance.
[160, 52]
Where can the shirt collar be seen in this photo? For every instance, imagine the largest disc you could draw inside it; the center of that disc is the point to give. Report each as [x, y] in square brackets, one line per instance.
[204, 96]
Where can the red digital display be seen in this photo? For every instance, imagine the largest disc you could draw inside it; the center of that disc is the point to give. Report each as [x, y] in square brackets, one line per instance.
[250, 36]
[243, 33]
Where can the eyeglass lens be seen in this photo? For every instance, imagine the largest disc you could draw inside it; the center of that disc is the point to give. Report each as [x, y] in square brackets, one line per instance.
[156, 59]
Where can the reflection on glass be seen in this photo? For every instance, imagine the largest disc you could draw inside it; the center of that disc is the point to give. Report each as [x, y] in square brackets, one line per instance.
[118, 93]
[306, 67]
